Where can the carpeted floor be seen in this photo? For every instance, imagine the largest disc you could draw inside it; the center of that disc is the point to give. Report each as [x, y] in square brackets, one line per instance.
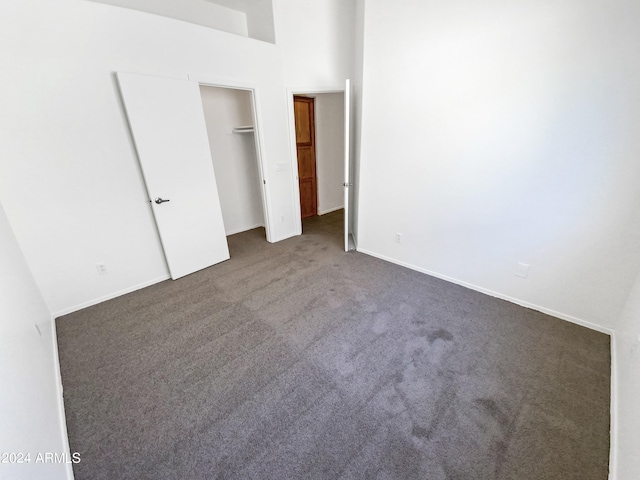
[296, 360]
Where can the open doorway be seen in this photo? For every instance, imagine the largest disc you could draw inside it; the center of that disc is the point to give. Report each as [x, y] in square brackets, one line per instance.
[319, 138]
[304, 111]
[229, 118]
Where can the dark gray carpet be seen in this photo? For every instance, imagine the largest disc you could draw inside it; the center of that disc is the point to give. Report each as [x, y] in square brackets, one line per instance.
[297, 360]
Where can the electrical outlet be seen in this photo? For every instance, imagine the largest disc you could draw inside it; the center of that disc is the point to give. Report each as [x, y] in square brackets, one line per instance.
[398, 237]
[522, 270]
[102, 269]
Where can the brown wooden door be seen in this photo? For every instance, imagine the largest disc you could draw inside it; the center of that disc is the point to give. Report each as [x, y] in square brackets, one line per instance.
[306, 147]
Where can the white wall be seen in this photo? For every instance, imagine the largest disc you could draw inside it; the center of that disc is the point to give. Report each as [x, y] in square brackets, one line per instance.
[200, 12]
[317, 42]
[329, 110]
[234, 157]
[30, 403]
[627, 360]
[69, 178]
[496, 133]
[260, 23]
[252, 18]
[356, 114]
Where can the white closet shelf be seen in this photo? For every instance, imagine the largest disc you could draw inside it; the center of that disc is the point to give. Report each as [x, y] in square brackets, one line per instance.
[243, 129]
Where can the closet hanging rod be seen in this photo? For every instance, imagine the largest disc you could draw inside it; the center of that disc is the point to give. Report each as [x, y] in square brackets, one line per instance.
[243, 129]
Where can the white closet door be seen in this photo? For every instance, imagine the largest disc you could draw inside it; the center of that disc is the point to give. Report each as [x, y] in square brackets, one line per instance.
[167, 123]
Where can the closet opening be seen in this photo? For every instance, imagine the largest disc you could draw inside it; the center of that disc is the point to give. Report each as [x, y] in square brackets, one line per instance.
[232, 132]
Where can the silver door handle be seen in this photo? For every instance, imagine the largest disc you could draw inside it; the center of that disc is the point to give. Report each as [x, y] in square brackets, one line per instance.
[159, 200]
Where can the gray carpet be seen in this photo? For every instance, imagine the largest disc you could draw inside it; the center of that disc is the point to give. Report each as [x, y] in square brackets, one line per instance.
[296, 360]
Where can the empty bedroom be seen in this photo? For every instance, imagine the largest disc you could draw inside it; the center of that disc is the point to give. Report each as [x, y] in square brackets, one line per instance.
[466, 305]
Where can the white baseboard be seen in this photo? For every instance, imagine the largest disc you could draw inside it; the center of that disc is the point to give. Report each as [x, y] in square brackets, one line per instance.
[517, 301]
[244, 229]
[324, 212]
[62, 418]
[95, 301]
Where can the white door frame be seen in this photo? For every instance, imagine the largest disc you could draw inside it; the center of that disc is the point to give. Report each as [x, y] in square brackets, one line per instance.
[209, 81]
[348, 181]
[291, 92]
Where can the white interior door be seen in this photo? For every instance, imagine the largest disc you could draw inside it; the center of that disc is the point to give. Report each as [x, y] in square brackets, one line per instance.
[167, 123]
[348, 182]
